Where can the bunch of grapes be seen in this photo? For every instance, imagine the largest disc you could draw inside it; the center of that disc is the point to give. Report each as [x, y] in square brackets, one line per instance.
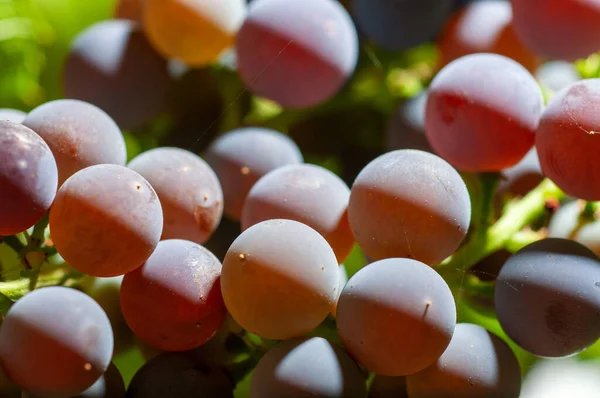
[290, 256]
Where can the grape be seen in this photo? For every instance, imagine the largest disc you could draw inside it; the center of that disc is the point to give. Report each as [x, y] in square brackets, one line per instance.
[130, 9]
[559, 378]
[173, 302]
[396, 316]
[188, 189]
[106, 220]
[406, 129]
[112, 65]
[521, 178]
[477, 363]
[298, 54]
[482, 112]
[242, 156]
[309, 367]
[178, 375]
[28, 178]
[55, 341]
[401, 24]
[557, 75]
[404, 200]
[12, 115]
[343, 279]
[194, 31]
[567, 140]
[565, 224]
[547, 297]
[109, 385]
[79, 135]
[388, 387]
[559, 29]
[279, 279]
[484, 27]
[306, 193]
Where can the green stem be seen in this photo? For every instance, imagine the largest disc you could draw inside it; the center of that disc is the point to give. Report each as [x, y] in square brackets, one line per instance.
[16, 289]
[14, 244]
[38, 236]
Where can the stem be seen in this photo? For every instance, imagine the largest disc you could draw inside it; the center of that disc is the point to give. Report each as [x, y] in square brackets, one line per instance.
[14, 244]
[39, 231]
[16, 289]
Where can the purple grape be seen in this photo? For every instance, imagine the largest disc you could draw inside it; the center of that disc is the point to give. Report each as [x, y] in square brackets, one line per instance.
[406, 129]
[12, 115]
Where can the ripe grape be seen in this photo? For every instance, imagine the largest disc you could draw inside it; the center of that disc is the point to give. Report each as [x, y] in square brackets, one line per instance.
[193, 31]
[482, 112]
[106, 220]
[112, 65]
[179, 375]
[79, 135]
[567, 140]
[109, 385]
[484, 27]
[307, 367]
[188, 189]
[559, 378]
[551, 288]
[242, 156]
[343, 279]
[557, 75]
[298, 54]
[306, 193]
[12, 115]
[55, 341]
[406, 129]
[558, 29]
[521, 178]
[28, 178]
[396, 316]
[477, 363]
[566, 224]
[130, 9]
[401, 24]
[173, 302]
[388, 387]
[279, 279]
[403, 200]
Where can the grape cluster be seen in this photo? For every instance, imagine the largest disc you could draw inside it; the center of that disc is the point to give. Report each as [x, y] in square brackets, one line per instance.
[432, 264]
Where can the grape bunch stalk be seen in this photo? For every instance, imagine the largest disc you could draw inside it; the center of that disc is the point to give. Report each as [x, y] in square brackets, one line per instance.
[317, 198]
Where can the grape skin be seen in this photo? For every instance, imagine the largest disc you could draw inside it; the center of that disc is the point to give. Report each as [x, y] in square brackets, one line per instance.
[388, 387]
[402, 200]
[519, 179]
[406, 129]
[55, 341]
[79, 135]
[565, 224]
[173, 302]
[12, 115]
[567, 141]
[552, 287]
[240, 157]
[482, 112]
[279, 279]
[130, 9]
[401, 24]
[28, 178]
[112, 65]
[343, 279]
[188, 189]
[305, 193]
[109, 385]
[396, 316]
[314, 41]
[106, 220]
[476, 364]
[309, 367]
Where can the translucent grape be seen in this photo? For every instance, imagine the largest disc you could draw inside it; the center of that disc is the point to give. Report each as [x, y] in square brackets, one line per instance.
[557, 75]
[106, 220]
[112, 65]
[109, 385]
[404, 200]
[406, 129]
[188, 189]
[484, 27]
[173, 302]
[12, 115]
[388, 387]
[242, 156]
[28, 178]
[567, 141]
[551, 286]
[306, 193]
[559, 29]
[179, 375]
[79, 135]
[55, 341]
[279, 279]
[396, 316]
[307, 367]
[401, 24]
[477, 363]
[482, 112]
[193, 31]
[566, 224]
[298, 54]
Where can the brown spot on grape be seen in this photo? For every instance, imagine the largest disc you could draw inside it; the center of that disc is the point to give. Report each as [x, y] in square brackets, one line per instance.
[245, 170]
[87, 366]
